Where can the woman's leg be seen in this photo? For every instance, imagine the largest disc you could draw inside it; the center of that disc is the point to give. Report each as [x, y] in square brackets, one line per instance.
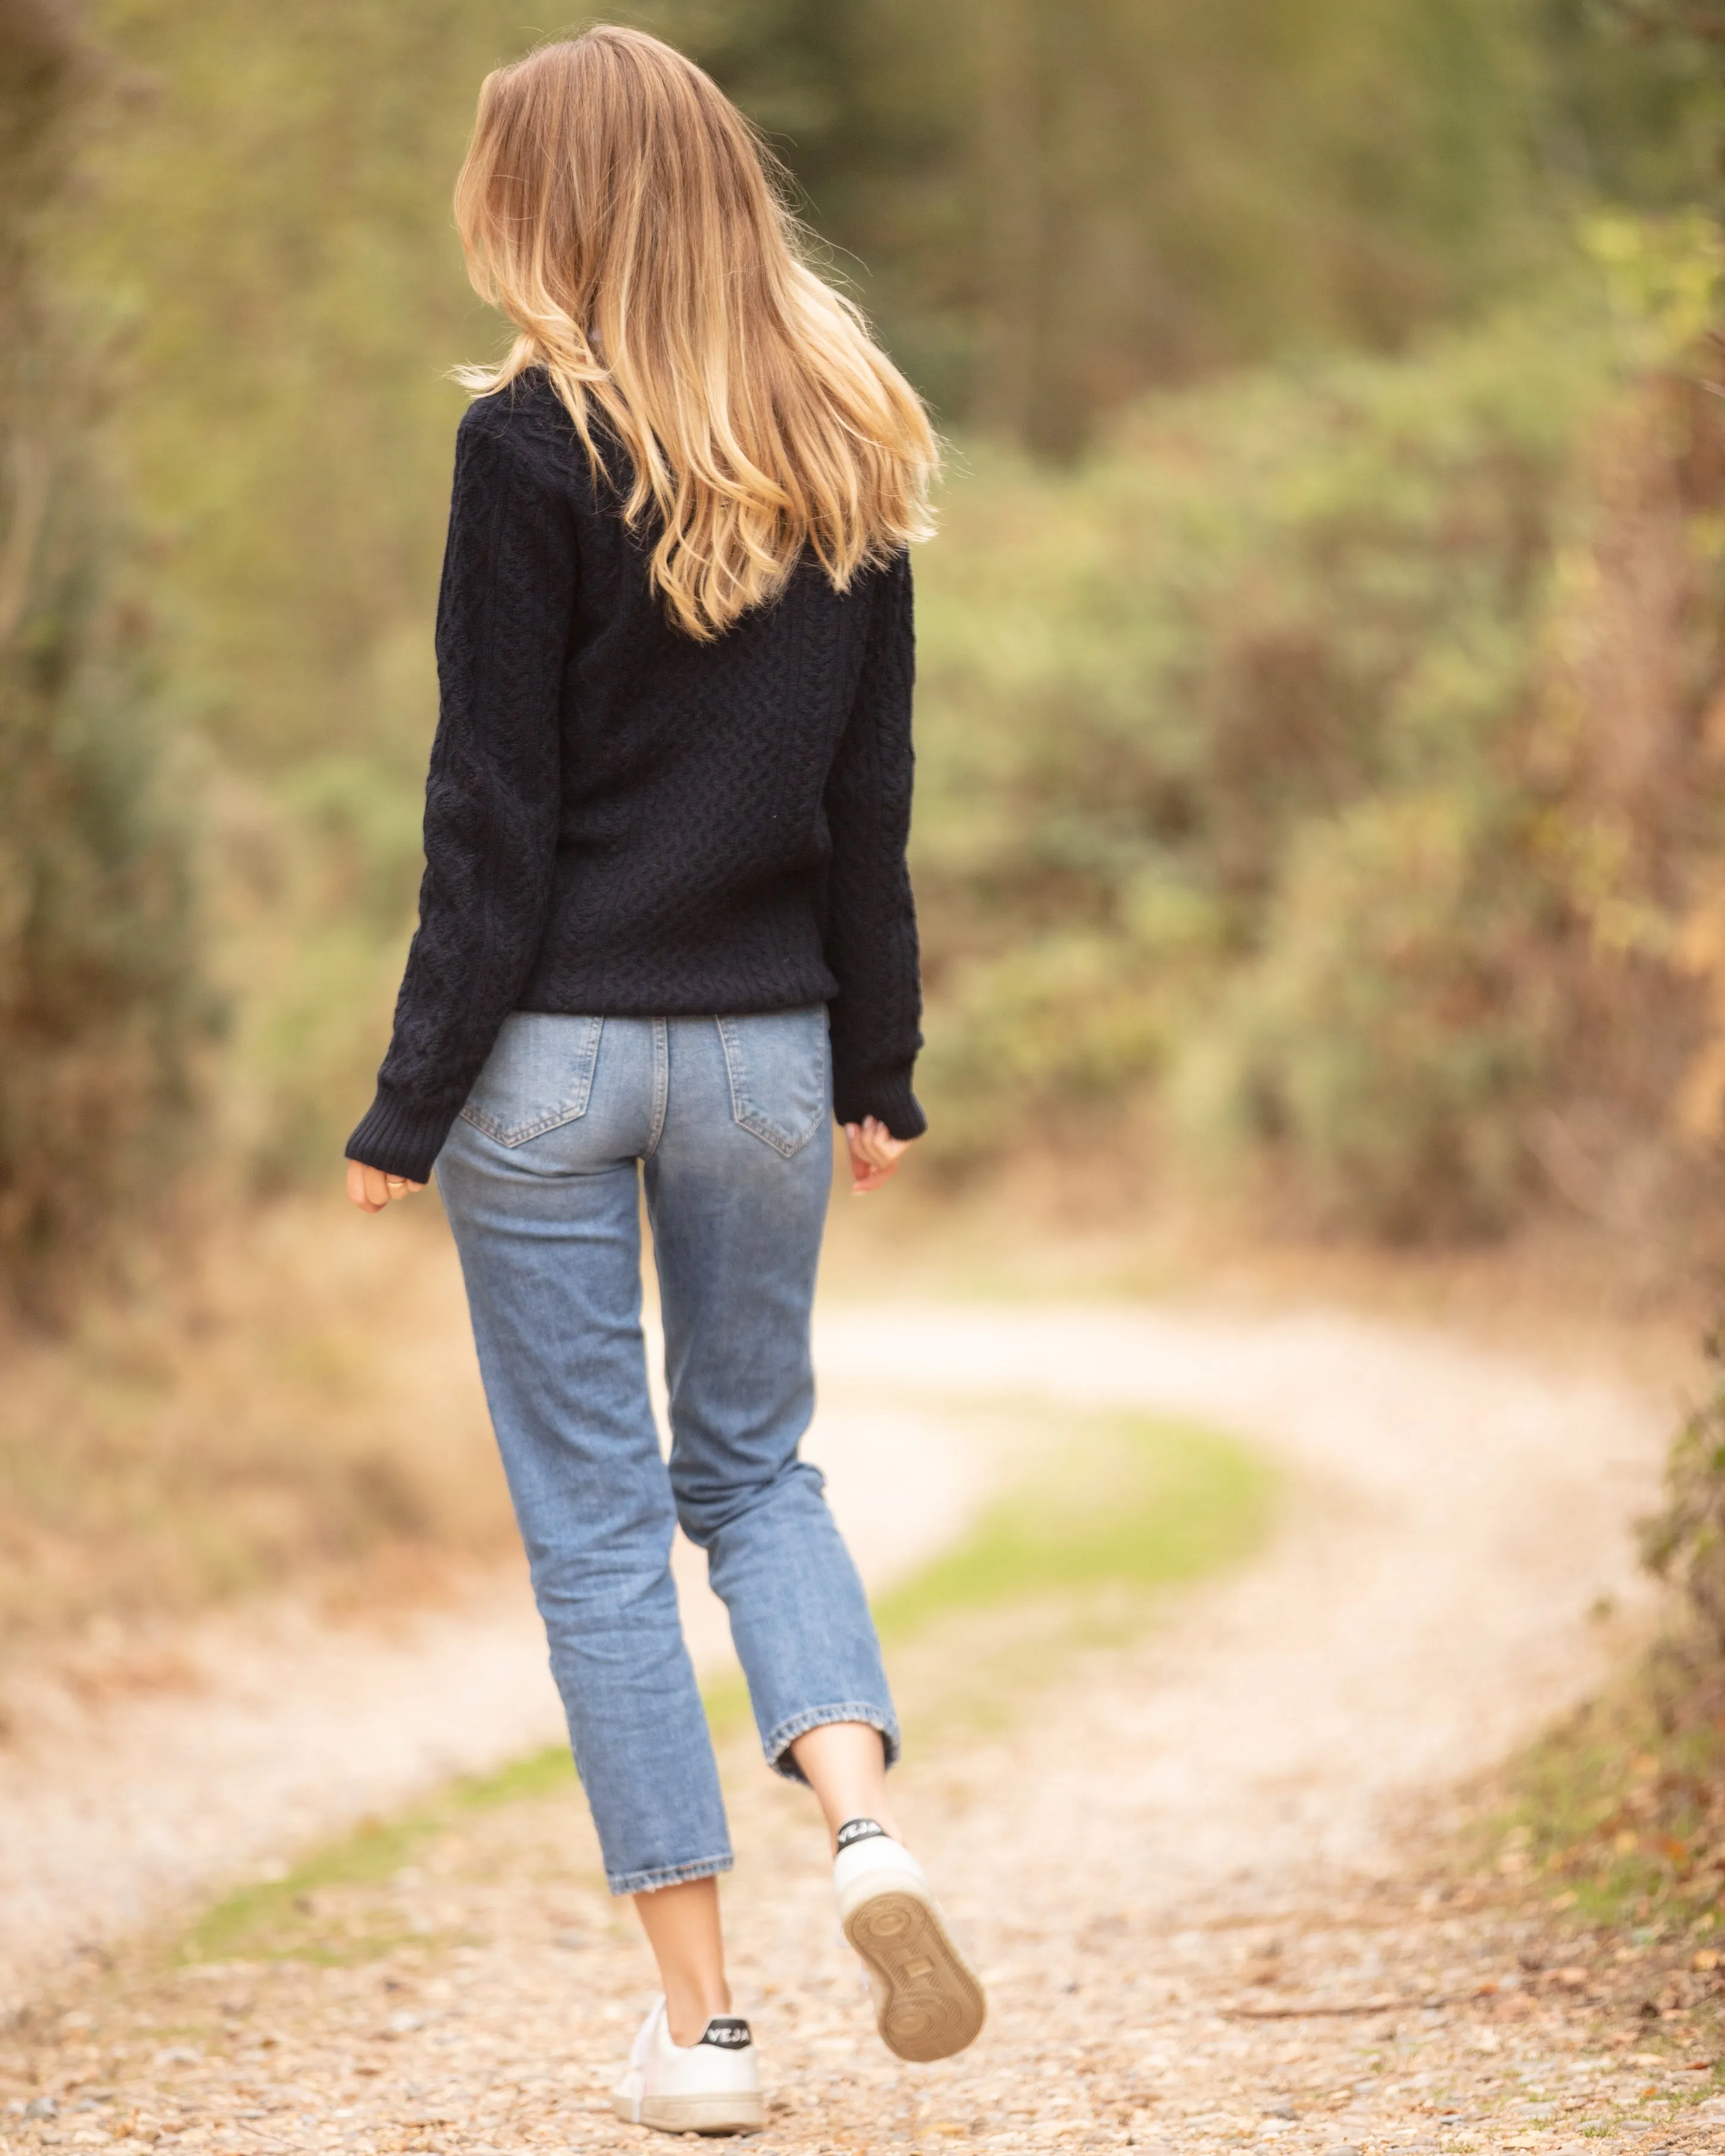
[737, 1189]
[546, 1216]
[682, 1928]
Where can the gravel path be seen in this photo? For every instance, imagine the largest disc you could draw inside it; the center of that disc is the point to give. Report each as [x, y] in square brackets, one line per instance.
[1202, 1870]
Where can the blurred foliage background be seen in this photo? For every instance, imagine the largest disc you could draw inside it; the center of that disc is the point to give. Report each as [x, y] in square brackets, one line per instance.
[1320, 721]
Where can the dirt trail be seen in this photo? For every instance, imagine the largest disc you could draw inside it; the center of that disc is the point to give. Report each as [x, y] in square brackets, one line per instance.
[1187, 1870]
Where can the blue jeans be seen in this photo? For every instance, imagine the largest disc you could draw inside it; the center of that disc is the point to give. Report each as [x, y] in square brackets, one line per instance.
[728, 1122]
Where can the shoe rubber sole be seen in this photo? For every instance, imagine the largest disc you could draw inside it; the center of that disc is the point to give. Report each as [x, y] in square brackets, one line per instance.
[933, 2005]
[717, 2113]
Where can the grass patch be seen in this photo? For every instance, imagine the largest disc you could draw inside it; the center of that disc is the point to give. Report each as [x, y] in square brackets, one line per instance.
[280, 1919]
[293, 1918]
[1075, 1556]
[1121, 1507]
[1132, 1502]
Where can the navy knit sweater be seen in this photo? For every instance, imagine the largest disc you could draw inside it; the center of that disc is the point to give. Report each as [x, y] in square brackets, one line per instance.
[621, 821]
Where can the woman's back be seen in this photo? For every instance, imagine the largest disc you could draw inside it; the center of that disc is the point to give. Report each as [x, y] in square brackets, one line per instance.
[692, 840]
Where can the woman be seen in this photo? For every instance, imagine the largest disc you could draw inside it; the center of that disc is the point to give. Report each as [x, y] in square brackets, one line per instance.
[665, 932]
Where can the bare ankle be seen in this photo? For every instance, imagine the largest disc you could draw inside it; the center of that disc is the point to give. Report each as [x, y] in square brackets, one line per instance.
[880, 1815]
[687, 2012]
[845, 1763]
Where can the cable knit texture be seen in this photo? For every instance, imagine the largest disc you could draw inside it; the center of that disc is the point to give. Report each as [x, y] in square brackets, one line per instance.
[621, 821]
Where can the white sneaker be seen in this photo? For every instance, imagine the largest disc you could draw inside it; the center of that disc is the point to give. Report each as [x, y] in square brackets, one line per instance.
[928, 2002]
[710, 2087]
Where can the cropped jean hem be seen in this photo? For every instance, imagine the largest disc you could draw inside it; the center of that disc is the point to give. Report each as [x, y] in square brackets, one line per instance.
[669, 1875]
[777, 1747]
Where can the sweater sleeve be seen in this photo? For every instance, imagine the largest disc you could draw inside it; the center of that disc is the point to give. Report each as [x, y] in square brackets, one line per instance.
[871, 917]
[505, 610]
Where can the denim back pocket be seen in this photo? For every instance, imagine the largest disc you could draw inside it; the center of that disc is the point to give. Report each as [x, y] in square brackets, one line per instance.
[777, 1062]
[536, 1078]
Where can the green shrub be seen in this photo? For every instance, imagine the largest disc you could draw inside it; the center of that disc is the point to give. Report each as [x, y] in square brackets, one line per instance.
[1232, 793]
[1381, 1037]
[99, 1001]
[1684, 1542]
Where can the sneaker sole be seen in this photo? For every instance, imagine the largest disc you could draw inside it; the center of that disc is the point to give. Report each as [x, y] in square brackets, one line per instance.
[933, 2006]
[738, 2113]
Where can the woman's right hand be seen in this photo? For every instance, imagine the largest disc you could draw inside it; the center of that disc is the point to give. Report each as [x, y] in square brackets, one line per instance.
[370, 1190]
[874, 1154]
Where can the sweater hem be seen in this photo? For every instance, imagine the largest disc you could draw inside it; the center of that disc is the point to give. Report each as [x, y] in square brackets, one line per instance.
[399, 1140]
[889, 1100]
[794, 994]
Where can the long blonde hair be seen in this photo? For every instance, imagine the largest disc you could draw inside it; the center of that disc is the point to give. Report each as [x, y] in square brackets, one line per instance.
[620, 211]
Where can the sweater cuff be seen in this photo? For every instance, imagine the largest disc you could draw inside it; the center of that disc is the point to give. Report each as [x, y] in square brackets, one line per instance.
[400, 1140]
[885, 1096]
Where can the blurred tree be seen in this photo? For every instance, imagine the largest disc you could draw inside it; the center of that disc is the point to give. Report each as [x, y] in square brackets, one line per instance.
[97, 995]
[1052, 203]
[1634, 112]
[1701, 21]
[1049, 207]
[268, 229]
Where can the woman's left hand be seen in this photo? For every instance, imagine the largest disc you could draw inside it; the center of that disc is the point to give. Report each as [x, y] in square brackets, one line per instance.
[370, 1190]
[874, 1154]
